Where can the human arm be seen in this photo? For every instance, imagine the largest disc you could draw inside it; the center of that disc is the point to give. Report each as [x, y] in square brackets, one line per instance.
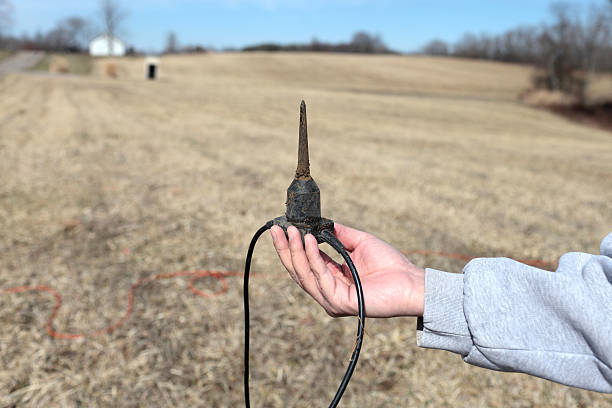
[504, 315]
[498, 314]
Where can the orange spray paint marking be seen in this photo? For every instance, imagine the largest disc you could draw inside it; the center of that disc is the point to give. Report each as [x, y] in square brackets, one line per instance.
[195, 276]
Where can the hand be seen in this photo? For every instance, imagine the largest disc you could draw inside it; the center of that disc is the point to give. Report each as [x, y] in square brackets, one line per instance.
[392, 286]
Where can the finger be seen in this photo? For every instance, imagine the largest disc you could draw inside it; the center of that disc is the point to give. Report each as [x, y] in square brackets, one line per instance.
[302, 267]
[335, 268]
[317, 264]
[329, 261]
[326, 281]
[282, 246]
[282, 249]
[350, 238]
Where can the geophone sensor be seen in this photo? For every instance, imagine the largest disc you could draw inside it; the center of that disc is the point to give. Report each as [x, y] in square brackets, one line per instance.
[304, 212]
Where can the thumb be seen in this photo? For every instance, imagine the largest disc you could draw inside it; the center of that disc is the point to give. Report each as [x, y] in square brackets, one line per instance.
[350, 238]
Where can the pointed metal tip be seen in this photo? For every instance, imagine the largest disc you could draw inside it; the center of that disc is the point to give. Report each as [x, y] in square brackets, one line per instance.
[303, 167]
[302, 114]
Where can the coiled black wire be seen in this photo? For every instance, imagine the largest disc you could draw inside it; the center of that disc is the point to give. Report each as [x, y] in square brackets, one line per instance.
[331, 239]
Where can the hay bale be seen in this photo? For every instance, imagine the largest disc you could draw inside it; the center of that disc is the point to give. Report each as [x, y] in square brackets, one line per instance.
[59, 65]
[111, 70]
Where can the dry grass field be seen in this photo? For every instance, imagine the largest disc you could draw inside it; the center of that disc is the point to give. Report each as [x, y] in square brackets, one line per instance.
[105, 181]
[80, 64]
[4, 54]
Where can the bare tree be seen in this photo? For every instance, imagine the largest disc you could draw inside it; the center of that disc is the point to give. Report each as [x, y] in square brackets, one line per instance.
[112, 16]
[57, 39]
[80, 31]
[367, 43]
[596, 37]
[470, 46]
[436, 47]
[171, 43]
[573, 47]
[6, 16]
[73, 32]
[575, 43]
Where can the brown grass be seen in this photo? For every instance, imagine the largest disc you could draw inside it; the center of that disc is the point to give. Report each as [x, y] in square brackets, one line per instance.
[542, 98]
[595, 110]
[111, 69]
[59, 65]
[424, 152]
[76, 64]
[600, 88]
[5, 54]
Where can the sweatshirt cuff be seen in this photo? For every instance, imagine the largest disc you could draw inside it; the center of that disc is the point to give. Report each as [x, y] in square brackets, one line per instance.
[443, 325]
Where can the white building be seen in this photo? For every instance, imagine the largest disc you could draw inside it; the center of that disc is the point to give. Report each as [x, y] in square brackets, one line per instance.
[105, 45]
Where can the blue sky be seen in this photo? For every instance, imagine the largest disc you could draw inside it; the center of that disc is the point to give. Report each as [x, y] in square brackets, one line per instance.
[404, 25]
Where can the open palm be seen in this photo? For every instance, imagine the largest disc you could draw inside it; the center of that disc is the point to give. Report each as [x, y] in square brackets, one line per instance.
[392, 285]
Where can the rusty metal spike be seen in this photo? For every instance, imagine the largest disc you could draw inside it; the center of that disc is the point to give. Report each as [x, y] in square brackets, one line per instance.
[303, 168]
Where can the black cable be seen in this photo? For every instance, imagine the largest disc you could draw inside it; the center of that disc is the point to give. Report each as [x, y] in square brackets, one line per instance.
[331, 239]
[245, 289]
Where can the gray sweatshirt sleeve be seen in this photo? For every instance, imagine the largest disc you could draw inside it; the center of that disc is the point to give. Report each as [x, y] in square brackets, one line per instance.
[507, 316]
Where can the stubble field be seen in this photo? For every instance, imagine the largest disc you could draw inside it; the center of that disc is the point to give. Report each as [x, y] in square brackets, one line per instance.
[106, 181]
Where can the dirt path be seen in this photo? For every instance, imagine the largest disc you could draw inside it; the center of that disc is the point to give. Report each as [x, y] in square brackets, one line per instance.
[21, 61]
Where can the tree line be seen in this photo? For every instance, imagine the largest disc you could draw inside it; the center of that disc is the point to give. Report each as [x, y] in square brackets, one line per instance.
[70, 34]
[568, 49]
[580, 34]
[361, 42]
